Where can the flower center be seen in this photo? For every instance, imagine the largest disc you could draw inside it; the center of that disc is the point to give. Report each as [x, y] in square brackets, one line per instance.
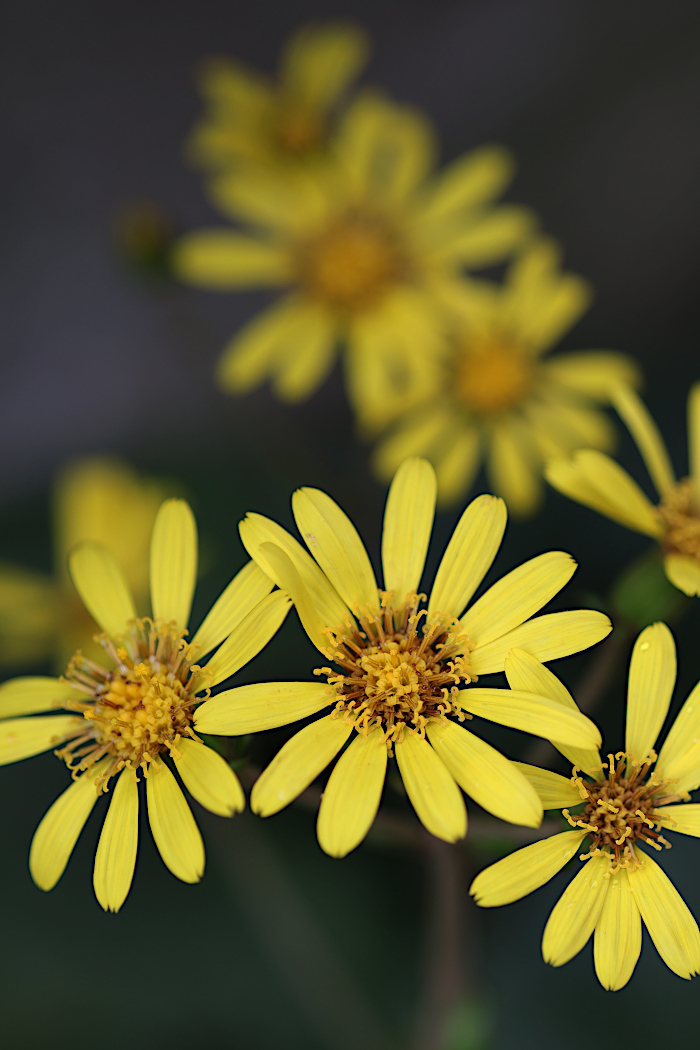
[139, 709]
[493, 377]
[297, 129]
[680, 515]
[395, 676]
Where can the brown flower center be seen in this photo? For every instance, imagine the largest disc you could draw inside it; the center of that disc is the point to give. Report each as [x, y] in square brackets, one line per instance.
[298, 129]
[493, 377]
[681, 516]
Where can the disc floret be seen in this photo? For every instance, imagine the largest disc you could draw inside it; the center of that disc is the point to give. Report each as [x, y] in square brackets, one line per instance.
[681, 518]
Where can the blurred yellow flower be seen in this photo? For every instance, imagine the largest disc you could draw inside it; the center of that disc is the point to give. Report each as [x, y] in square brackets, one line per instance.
[363, 246]
[128, 716]
[398, 685]
[495, 398]
[598, 482]
[100, 499]
[624, 808]
[250, 119]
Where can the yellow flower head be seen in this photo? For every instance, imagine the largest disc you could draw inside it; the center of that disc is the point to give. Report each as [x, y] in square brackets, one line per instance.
[254, 121]
[133, 714]
[362, 247]
[624, 807]
[402, 668]
[597, 481]
[496, 397]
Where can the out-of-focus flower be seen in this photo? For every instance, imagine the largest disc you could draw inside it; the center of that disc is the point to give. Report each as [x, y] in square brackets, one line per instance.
[252, 120]
[130, 715]
[97, 499]
[599, 482]
[624, 808]
[363, 248]
[401, 680]
[497, 398]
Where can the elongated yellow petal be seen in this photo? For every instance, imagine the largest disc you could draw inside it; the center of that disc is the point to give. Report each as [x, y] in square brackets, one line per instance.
[408, 522]
[525, 870]
[488, 239]
[617, 941]
[286, 202]
[263, 705]
[60, 828]
[469, 555]
[516, 596]
[553, 790]
[548, 637]
[248, 637]
[224, 260]
[209, 778]
[318, 62]
[254, 352]
[116, 851]
[433, 793]
[173, 562]
[102, 587]
[298, 764]
[593, 372]
[334, 543]
[532, 714]
[512, 466]
[23, 737]
[652, 677]
[667, 917]
[679, 758]
[285, 571]
[576, 913]
[694, 438]
[308, 356]
[469, 181]
[353, 792]
[456, 466]
[684, 818]
[486, 775]
[417, 435]
[646, 435]
[30, 695]
[246, 589]
[173, 827]
[683, 572]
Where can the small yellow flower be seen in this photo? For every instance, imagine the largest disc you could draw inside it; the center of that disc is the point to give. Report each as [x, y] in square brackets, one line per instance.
[254, 121]
[599, 482]
[96, 499]
[496, 399]
[129, 716]
[625, 808]
[401, 676]
[362, 247]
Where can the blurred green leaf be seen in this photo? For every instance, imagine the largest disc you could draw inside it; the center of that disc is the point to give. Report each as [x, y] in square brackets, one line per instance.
[642, 594]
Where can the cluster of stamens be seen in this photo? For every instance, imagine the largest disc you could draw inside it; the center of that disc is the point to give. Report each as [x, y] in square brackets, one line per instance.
[395, 676]
[139, 709]
[681, 516]
[493, 377]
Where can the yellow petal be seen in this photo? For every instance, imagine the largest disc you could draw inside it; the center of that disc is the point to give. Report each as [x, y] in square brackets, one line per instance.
[542, 302]
[685, 819]
[456, 466]
[254, 352]
[417, 435]
[209, 778]
[408, 522]
[319, 61]
[646, 435]
[531, 714]
[353, 792]
[525, 870]
[694, 438]
[248, 637]
[548, 637]
[576, 913]
[116, 851]
[486, 775]
[511, 466]
[487, 239]
[241, 596]
[283, 200]
[23, 737]
[60, 827]
[173, 827]
[683, 572]
[263, 705]
[102, 587]
[469, 555]
[652, 677]
[32, 694]
[468, 182]
[666, 916]
[298, 764]
[224, 261]
[433, 793]
[593, 372]
[516, 596]
[553, 790]
[283, 569]
[334, 543]
[173, 562]
[309, 355]
[679, 758]
[618, 934]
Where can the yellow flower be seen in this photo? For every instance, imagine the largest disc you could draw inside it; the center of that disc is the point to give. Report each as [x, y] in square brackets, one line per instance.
[626, 808]
[598, 482]
[95, 499]
[400, 671]
[130, 715]
[496, 399]
[363, 247]
[251, 120]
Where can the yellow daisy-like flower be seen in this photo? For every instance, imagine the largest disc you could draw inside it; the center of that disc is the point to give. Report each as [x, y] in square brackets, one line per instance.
[133, 714]
[497, 398]
[402, 674]
[626, 805]
[252, 120]
[599, 482]
[97, 499]
[362, 248]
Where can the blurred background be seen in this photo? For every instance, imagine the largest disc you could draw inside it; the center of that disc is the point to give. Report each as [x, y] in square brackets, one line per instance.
[100, 355]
